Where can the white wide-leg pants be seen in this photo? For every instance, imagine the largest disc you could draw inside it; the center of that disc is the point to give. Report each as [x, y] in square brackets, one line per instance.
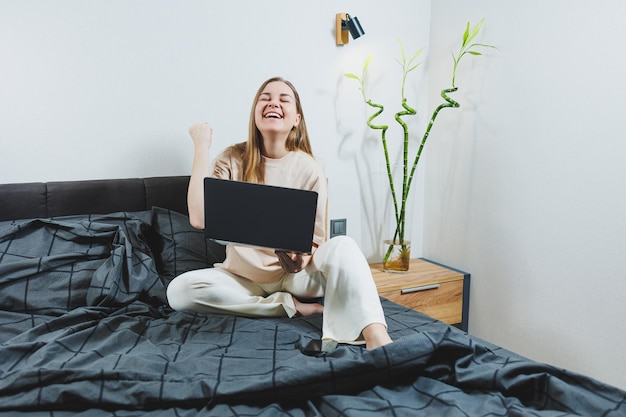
[338, 271]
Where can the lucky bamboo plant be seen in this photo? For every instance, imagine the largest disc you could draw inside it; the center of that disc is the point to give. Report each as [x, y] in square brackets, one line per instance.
[408, 170]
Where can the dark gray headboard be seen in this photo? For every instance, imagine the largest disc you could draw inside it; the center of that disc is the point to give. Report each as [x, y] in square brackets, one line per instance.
[50, 199]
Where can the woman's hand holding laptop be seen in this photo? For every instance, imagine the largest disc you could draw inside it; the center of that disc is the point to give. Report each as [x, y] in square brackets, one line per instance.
[293, 262]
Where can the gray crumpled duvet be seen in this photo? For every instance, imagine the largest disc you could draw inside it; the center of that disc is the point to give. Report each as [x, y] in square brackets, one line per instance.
[85, 330]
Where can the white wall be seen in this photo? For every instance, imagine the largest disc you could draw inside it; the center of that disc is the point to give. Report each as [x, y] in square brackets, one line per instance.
[107, 89]
[526, 182]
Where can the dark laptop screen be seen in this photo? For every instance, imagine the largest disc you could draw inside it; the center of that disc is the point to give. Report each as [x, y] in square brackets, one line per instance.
[259, 215]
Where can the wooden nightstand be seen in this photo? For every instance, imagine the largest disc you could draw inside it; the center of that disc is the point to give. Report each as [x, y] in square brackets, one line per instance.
[433, 289]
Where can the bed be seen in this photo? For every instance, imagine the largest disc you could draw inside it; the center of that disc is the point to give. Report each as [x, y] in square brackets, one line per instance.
[85, 330]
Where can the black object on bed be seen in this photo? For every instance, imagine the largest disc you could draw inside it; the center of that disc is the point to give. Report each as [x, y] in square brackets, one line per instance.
[85, 330]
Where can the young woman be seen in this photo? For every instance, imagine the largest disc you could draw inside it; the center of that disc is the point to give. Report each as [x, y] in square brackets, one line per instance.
[262, 282]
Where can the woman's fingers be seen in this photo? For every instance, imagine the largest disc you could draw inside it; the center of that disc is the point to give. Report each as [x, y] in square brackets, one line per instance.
[289, 261]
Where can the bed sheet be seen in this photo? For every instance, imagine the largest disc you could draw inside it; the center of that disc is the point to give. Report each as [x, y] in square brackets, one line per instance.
[85, 330]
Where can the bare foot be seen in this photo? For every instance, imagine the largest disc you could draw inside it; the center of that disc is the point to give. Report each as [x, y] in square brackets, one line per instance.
[375, 336]
[308, 309]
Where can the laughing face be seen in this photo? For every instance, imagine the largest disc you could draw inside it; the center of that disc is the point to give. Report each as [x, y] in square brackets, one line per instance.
[275, 111]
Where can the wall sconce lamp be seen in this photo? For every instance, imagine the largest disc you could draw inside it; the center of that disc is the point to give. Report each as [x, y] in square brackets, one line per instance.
[344, 24]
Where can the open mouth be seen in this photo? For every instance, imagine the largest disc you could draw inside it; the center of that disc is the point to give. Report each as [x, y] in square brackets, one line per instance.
[272, 115]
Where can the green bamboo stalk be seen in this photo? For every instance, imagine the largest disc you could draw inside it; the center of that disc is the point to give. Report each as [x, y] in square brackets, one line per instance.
[383, 129]
[399, 233]
[407, 176]
[408, 111]
[448, 104]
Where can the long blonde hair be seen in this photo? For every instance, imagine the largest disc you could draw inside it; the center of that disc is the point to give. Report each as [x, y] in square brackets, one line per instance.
[298, 139]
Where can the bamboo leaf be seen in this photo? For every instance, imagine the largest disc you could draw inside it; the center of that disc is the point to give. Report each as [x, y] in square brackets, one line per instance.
[367, 62]
[475, 30]
[402, 51]
[466, 34]
[474, 53]
[414, 57]
[483, 45]
[413, 67]
[349, 75]
[479, 26]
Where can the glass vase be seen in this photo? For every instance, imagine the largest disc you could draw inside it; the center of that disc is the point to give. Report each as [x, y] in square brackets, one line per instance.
[397, 255]
[397, 223]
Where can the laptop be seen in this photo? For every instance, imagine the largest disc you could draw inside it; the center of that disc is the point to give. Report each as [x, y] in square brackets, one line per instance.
[259, 215]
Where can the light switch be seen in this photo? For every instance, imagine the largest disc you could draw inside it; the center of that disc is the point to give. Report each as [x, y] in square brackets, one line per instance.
[338, 227]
